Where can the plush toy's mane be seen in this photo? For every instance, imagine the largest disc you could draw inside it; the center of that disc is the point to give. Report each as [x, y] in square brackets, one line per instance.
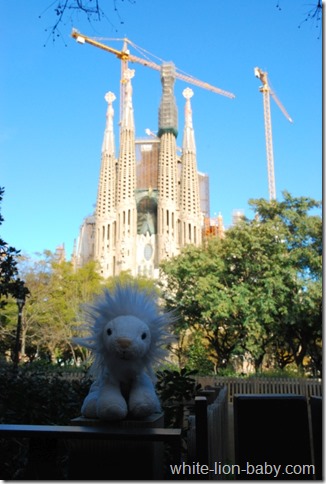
[126, 300]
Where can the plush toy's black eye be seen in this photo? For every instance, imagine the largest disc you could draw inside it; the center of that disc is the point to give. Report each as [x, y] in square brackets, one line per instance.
[144, 336]
[109, 331]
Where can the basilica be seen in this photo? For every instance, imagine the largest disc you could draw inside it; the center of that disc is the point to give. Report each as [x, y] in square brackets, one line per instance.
[151, 199]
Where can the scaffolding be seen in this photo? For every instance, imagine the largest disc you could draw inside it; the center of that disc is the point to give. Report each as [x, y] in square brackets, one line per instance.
[214, 227]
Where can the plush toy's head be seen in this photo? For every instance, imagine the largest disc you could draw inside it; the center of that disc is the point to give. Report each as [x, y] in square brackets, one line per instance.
[126, 326]
[126, 338]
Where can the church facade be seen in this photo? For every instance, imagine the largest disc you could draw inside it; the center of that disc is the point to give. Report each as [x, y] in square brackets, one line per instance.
[151, 199]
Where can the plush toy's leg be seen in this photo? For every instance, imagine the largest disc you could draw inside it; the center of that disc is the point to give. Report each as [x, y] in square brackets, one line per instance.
[143, 400]
[89, 407]
[111, 405]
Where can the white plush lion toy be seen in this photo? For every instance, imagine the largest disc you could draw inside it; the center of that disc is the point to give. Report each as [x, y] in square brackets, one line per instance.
[127, 334]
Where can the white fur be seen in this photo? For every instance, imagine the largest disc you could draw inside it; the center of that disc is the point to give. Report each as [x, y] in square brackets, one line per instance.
[127, 334]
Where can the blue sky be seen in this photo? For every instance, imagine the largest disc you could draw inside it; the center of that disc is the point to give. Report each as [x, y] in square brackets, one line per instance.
[53, 109]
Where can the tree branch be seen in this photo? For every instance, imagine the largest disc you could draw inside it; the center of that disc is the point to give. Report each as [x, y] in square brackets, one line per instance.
[92, 9]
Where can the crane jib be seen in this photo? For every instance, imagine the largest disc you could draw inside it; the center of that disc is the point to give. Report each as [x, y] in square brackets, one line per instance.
[126, 56]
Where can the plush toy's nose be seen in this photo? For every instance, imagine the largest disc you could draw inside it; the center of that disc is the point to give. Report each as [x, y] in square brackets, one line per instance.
[124, 342]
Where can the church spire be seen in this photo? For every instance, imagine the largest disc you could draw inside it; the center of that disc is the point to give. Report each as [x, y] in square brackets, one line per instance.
[126, 183]
[105, 204]
[168, 189]
[190, 214]
[168, 113]
[106, 196]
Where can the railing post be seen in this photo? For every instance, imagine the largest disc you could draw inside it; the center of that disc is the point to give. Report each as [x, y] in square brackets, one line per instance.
[201, 430]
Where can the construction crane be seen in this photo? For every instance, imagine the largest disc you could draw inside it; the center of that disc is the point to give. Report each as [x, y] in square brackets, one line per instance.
[125, 56]
[267, 92]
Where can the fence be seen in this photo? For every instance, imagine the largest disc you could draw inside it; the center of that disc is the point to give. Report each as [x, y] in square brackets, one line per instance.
[262, 385]
[307, 387]
[212, 431]
[218, 431]
[208, 433]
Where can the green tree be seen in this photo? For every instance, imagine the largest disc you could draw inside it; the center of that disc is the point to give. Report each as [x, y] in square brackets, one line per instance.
[257, 290]
[257, 266]
[194, 284]
[299, 331]
[8, 326]
[52, 313]
[56, 310]
[10, 283]
[125, 277]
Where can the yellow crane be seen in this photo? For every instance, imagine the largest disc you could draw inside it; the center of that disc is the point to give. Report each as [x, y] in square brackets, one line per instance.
[267, 92]
[125, 56]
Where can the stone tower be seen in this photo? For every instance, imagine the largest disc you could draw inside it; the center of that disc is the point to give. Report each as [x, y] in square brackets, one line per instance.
[168, 222]
[126, 185]
[116, 214]
[190, 213]
[105, 214]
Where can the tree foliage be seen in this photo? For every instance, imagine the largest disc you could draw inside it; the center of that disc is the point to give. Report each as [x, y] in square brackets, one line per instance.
[10, 283]
[53, 313]
[257, 292]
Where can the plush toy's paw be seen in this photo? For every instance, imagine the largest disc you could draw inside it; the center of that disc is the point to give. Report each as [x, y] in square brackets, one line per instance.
[89, 407]
[111, 407]
[144, 405]
[112, 412]
[142, 410]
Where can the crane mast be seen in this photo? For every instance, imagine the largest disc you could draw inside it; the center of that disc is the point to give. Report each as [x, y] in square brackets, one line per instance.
[267, 92]
[269, 143]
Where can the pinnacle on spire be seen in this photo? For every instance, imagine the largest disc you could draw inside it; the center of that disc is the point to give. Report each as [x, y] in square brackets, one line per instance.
[188, 137]
[127, 121]
[108, 140]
